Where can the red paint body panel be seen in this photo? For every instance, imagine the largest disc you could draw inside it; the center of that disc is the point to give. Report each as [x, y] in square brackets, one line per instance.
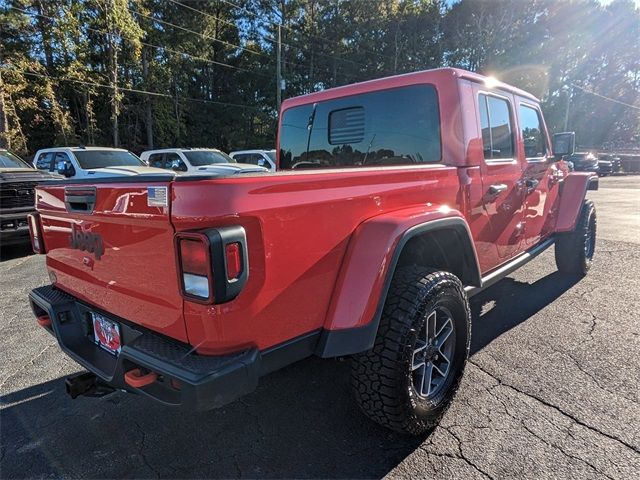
[573, 193]
[319, 242]
[136, 277]
[367, 261]
[298, 227]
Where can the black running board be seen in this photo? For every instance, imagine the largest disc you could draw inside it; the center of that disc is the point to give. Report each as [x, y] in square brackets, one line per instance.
[501, 272]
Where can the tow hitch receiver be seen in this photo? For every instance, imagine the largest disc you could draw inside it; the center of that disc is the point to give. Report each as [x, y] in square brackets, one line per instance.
[87, 384]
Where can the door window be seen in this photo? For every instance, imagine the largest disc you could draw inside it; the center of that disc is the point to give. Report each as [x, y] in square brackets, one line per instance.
[532, 132]
[44, 161]
[497, 129]
[156, 160]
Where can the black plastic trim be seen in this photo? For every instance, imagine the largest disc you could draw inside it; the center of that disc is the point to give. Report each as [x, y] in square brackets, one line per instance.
[205, 382]
[498, 274]
[334, 343]
[85, 196]
[226, 290]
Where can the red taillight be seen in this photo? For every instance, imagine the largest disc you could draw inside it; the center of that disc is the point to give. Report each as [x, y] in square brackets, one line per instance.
[35, 232]
[194, 256]
[234, 260]
[213, 265]
[195, 268]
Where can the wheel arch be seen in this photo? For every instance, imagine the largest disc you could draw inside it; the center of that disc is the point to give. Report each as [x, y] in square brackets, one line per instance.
[572, 195]
[351, 325]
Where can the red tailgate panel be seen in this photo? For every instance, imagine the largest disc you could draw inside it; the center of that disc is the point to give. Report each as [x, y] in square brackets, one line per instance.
[135, 277]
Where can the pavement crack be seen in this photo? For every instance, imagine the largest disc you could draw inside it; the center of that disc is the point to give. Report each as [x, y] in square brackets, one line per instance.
[461, 454]
[25, 365]
[141, 453]
[548, 404]
[562, 450]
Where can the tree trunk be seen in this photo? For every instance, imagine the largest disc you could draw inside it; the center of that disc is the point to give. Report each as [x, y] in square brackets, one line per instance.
[5, 140]
[44, 25]
[148, 114]
[115, 108]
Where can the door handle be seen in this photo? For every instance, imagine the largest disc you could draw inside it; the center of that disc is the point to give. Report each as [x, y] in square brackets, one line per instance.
[497, 189]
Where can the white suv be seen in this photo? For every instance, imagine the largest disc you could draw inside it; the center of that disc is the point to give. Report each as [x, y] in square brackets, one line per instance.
[263, 158]
[196, 160]
[88, 162]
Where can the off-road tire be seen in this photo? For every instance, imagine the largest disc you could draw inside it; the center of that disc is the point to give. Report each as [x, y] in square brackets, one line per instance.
[382, 379]
[574, 250]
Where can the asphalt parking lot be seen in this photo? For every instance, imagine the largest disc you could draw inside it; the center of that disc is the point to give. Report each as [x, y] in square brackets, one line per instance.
[552, 390]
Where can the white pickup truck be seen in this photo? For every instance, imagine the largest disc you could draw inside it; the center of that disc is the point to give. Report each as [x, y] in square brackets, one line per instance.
[195, 160]
[87, 162]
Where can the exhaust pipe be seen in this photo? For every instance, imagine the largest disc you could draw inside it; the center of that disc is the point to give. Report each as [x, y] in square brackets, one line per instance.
[87, 384]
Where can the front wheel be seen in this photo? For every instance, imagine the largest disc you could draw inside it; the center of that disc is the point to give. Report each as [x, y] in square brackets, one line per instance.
[408, 379]
[574, 250]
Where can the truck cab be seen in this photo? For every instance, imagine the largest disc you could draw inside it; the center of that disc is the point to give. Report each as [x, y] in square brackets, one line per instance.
[87, 162]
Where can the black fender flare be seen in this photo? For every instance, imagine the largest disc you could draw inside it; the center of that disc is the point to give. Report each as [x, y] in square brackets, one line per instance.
[334, 343]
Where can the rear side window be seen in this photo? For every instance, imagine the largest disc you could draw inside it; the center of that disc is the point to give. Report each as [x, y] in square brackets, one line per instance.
[399, 126]
[44, 161]
[532, 136]
[496, 124]
[156, 160]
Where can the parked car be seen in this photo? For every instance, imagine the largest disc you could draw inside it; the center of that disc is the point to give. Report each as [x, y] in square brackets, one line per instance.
[87, 162]
[18, 180]
[609, 164]
[196, 160]
[263, 158]
[584, 162]
[418, 199]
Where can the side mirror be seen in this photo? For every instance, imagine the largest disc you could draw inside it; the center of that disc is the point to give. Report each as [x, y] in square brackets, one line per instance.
[65, 168]
[178, 166]
[564, 144]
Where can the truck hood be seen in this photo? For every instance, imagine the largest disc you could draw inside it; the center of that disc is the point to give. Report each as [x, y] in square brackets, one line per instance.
[230, 168]
[125, 171]
[26, 175]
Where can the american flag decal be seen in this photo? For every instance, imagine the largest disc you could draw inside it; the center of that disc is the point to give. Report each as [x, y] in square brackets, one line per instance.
[157, 197]
[346, 126]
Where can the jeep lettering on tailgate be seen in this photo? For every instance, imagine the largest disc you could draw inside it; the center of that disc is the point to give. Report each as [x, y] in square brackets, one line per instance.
[86, 241]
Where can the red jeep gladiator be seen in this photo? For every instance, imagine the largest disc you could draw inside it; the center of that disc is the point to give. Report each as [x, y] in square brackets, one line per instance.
[395, 200]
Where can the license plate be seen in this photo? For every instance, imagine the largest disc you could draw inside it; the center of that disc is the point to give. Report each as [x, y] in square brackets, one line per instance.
[106, 333]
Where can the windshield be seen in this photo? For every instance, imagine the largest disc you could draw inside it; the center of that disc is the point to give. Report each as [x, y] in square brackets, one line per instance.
[398, 126]
[90, 159]
[207, 157]
[272, 155]
[9, 160]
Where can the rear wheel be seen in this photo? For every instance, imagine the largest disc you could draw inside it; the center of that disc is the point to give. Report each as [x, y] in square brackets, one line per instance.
[574, 250]
[408, 379]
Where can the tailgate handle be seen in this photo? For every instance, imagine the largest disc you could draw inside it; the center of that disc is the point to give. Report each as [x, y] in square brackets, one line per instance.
[80, 199]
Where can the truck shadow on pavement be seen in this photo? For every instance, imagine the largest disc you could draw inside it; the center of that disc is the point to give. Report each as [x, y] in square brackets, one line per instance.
[300, 423]
[10, 252]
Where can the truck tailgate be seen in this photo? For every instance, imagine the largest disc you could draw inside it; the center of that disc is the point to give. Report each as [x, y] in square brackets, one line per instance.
[111, 245]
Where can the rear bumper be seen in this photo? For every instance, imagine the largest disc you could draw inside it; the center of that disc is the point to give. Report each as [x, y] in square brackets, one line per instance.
[184, 378]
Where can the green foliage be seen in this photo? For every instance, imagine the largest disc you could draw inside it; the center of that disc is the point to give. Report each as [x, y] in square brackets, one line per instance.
[202, 72]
